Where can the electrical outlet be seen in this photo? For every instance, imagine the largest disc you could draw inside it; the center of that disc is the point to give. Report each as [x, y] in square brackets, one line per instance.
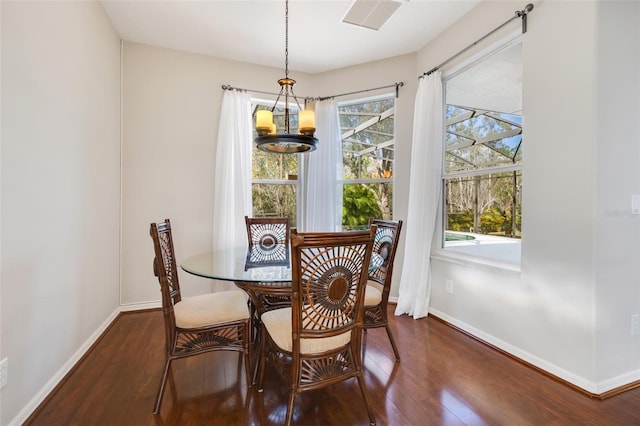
[635, 204]
[449, 286]
[4, 372]
[635, 324]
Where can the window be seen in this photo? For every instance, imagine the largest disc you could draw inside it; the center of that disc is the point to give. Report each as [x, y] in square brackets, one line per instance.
[367, 150]
[483, 157]
[367, 128]
[274, 177]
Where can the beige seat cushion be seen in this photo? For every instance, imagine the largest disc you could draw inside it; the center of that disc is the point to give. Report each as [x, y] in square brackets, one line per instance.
[372, 293]
[211, 309]
[278, 325]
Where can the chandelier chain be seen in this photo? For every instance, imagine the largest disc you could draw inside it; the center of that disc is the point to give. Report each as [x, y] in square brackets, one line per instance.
[269, 139]
[286, 39]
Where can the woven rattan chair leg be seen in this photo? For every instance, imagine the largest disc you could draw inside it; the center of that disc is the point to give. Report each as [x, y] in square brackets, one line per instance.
[262, 360]
[393, 343]
[365, 397]
[259, 348]
[156, 408]
[292, 399]
[246, 351]
[247, 368]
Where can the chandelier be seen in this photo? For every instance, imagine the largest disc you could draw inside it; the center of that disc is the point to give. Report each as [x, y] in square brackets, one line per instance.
[286, 143]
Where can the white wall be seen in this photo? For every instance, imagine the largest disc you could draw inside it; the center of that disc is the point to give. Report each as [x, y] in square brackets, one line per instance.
[617, 174]
[568, 310]
[60, 193]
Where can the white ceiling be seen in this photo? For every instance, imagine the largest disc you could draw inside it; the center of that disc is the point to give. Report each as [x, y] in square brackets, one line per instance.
[254, 30]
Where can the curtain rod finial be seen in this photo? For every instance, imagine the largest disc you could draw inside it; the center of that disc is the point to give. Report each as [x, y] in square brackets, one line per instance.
[398, 86]
[522, 13]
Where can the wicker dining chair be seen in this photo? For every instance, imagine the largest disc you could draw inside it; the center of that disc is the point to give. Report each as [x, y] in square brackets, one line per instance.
[268, 239]
[266, 232]
[379, 283]
[317, 341]
[199, 324]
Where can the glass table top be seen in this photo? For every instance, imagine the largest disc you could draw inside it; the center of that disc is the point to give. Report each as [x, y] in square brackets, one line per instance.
[241, 264]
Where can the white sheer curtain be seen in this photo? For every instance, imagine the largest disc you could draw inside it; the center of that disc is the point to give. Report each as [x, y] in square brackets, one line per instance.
[323, 194]
[424, 197]
[232, 190]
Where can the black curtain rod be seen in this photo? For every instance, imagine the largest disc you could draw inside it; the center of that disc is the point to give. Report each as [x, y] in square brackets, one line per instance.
[396, 85]
[228, 87]
[522, 14]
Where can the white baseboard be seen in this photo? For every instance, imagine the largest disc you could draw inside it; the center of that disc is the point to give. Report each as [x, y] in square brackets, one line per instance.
[62, 372]
[596, 388]
[618, 382]
[140, 306]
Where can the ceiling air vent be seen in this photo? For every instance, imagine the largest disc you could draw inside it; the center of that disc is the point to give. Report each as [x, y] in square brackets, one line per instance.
[371, 13]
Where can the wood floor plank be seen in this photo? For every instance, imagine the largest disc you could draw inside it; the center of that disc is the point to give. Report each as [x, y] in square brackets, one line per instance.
[444, 378]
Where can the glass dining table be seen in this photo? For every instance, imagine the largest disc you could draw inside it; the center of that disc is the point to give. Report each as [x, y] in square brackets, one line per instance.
[267, 281]
[264, 274]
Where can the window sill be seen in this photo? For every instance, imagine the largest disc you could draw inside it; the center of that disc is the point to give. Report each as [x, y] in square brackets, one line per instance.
[502, 265]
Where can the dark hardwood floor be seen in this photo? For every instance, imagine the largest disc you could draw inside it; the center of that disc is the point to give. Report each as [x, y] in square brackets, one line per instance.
[444, 378]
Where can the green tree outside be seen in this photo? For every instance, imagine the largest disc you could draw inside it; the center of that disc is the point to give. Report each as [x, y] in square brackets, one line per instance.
[360, 203]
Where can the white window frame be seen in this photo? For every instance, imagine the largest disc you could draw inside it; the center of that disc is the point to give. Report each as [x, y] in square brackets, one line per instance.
[390, 180]
[495, 264]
